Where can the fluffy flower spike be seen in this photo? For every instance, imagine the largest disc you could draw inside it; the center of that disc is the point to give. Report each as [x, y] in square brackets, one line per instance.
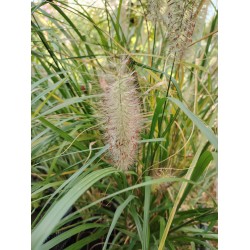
[121, 115]
[179, 17]
[180, 21]
[156, 10]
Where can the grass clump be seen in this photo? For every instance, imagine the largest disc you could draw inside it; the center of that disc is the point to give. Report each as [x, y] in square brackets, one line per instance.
[124, 124]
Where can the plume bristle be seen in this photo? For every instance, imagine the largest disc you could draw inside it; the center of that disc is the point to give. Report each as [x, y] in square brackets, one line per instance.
[180, 22]
[179, 18]
[121, 116]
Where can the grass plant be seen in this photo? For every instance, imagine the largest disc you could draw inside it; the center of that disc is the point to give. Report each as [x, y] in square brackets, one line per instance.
[166, 198]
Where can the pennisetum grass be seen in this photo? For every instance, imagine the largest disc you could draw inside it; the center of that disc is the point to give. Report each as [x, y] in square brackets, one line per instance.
[121, 115]
[92, 184]
[179, 19]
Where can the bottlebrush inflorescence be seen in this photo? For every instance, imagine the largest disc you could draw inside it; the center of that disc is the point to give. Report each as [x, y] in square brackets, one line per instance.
[179, 17]
[121, 116]
[180, 24]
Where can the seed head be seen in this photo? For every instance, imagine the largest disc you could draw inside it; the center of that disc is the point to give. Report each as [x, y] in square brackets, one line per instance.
[121, 115]
[178, 18]
[180, 23]
[156, 10]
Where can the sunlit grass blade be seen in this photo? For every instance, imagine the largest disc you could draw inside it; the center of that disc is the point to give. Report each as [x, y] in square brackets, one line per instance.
[180, 194]
[69, 233]
[205, 158]
[146, 232]
[67, 103]
[198, 122]
[57, 211]
[117, 214]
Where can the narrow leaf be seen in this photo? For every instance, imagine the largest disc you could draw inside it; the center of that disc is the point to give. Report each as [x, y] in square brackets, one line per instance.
[198, 122]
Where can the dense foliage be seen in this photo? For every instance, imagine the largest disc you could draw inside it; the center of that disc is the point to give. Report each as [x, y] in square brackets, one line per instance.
[167, 198]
